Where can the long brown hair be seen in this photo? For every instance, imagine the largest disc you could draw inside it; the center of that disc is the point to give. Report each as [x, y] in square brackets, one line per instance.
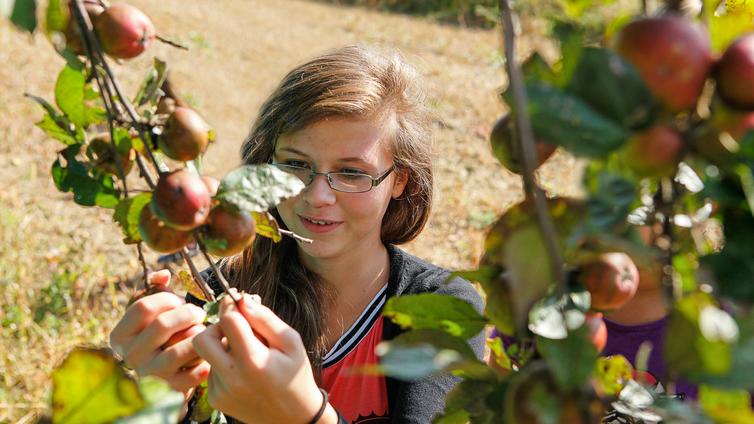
[353, 81]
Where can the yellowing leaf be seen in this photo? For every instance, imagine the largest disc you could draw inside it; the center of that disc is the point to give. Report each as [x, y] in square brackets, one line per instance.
[267, 226]
[90, 387]
[611, 374]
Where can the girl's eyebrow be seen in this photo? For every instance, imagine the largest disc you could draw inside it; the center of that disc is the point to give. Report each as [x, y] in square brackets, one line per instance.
[354, 159]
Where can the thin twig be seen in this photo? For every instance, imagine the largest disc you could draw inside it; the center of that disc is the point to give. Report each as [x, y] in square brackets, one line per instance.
[209, 294]
[218, 273]
[171, 42]
[143, 264]
[526, 138]
[295, 236]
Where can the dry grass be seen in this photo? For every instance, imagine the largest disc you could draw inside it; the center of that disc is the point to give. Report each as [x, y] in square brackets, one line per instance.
[68, 261]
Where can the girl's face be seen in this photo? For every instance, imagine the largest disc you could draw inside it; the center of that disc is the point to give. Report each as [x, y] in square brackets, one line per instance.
[338, 222]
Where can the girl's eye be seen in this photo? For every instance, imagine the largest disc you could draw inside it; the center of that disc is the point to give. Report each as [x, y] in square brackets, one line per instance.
[352, 171]
[299, 163]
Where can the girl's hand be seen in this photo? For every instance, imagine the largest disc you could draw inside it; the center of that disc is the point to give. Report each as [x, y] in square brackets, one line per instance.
[146, 337]
[264, 375]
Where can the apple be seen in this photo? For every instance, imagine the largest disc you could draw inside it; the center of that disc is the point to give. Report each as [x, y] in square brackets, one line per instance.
[72, 34]
[181, 199]
[236, 229]
[186, 135]
[101, 154]
[158, 236]
[673, 57]
[735, 73]
[124, 31]
[597, 330]
[612, 279]
[654, 152]
[506, 149]
[719, 139]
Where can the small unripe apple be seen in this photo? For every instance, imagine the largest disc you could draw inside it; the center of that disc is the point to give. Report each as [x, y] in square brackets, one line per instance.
[181, 200]
[158, 236]
[673, 57]
[506, 149]
[186, 135]
[236, 229]
[124, 31]
[654, 152]
[735, 73]
[101, 153]
[612, 279]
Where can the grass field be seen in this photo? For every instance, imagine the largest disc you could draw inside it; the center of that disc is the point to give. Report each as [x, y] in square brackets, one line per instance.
[64, 274]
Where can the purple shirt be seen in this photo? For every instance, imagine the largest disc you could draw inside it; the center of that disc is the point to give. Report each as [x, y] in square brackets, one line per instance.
[626, 339]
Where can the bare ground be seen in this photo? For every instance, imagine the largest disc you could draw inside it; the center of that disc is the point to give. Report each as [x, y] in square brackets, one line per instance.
[51, 249]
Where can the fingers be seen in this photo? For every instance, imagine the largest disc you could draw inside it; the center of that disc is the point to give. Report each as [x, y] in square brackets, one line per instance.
[191, 377]
[139, 315]
[147, 343]
[266, 324]
[176, 354]
[209, 345]
[244, 344]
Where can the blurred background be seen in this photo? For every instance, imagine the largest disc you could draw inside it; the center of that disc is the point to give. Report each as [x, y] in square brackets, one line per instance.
[65, 275]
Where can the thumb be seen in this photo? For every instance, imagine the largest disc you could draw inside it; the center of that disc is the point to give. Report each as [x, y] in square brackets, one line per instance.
[159, 278]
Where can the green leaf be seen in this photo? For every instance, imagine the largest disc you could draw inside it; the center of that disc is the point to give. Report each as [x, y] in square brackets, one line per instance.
[468, 399]
[267, 226]
[611, 374]
[572, 359]
[527, 277]
[24, 14]
[442, 312]
[498, 307]
[69, 94]
[565, 120]
[699, 346]
[53, 129]
[612, 86]
[741, 373]
[127, 216]
[726, 27]
[611, 198]
[257, 188]
[726, 406]
[163, 404]
[56, 16]
[105, 395]
[71, 175]
[419, 353]
[202, 409]
[535, 68]
[154, 79]
[554, 317]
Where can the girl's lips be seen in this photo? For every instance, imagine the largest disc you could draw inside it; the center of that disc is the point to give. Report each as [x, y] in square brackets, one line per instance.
[319, 226]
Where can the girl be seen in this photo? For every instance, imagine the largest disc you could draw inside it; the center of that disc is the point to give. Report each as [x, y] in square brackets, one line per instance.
[352, 125]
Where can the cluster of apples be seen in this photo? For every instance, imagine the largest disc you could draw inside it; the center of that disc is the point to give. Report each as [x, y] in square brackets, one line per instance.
[673, 56]
[182, 204]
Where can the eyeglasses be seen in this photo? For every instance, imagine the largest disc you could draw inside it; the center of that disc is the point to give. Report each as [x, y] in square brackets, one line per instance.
[347, 182]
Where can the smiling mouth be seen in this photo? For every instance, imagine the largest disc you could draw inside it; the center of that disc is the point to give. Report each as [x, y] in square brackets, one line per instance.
[322, 222]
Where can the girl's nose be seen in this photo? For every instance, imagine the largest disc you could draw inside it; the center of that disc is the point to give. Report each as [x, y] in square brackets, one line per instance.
[319, 193]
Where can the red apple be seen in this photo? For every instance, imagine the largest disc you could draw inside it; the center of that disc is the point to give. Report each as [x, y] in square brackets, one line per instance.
[181, 200]
[124, 31]
[158, 236]
[654, 152]
[506, 149]
[236, 229]
[735, 73]
[186, 135]
[612, 279]
[673, 56]
[597, 330]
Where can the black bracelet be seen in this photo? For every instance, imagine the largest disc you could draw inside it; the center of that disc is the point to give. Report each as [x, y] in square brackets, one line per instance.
[322, 408]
